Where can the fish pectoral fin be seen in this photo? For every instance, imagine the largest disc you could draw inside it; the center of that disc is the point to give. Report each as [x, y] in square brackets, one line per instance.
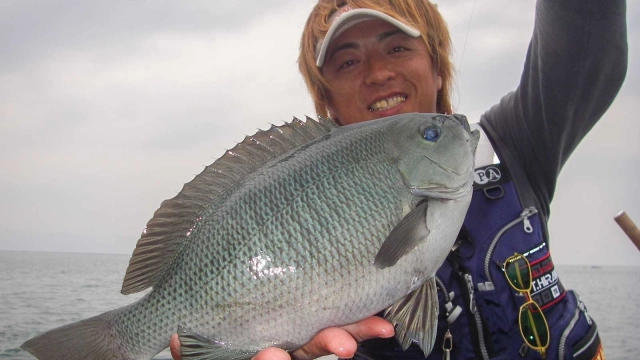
[411, 231]
[415, 317]
[196, 347]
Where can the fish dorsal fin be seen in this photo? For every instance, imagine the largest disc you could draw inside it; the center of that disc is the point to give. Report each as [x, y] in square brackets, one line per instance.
[167, 232]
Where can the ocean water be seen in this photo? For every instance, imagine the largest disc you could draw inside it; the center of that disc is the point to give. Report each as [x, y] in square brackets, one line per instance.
[40, 291]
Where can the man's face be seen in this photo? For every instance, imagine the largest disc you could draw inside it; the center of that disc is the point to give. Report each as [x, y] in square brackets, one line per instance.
[375, 70]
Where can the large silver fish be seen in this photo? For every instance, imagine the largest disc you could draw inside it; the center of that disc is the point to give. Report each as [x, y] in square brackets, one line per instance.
[298, 228]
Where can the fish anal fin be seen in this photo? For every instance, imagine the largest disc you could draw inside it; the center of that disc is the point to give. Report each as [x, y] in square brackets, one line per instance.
[410, 231]
[169, 230]
[416, 317]
[196, 347]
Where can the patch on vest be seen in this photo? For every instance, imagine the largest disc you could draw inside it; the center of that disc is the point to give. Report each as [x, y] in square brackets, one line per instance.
[488, 176]
[546, 288]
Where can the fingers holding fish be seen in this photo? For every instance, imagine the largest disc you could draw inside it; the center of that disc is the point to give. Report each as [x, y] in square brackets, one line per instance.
[272, 353]
[329, 341]
[369, 328]
[174, 347]
[342, 341]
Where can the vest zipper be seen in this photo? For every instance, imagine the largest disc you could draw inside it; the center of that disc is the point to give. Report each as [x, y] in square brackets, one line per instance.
[478, 336]
[563, 338]
[580, 307]
[476, 316]
[524, 218]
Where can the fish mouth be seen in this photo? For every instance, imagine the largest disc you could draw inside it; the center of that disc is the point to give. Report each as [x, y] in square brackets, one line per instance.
[387, 103]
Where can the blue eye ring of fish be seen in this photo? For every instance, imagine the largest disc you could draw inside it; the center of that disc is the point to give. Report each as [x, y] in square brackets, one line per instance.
[432, 133]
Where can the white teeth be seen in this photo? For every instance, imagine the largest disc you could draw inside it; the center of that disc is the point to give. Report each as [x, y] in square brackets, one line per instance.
[387, 103]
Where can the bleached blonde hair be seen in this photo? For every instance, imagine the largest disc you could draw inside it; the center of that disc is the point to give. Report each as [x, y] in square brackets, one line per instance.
[421, 14]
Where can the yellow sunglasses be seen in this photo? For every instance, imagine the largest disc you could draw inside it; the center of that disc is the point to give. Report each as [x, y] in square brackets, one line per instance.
[533, 324]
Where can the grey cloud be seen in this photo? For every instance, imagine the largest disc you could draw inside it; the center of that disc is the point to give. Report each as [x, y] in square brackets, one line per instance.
[109, 108]
[33, 29]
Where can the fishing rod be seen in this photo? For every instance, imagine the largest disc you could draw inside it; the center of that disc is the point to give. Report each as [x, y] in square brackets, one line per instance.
[629, 228]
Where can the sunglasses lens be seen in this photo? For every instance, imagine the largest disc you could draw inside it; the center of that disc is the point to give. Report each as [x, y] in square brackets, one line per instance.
[534, 326]
[518, 273]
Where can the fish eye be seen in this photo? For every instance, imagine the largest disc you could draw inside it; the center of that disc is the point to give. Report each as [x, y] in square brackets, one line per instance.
[432, 133]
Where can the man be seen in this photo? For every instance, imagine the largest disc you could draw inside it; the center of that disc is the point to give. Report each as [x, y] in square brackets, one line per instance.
[367, 59]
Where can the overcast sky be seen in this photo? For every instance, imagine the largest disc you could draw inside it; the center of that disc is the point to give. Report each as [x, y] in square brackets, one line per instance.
[108, 107]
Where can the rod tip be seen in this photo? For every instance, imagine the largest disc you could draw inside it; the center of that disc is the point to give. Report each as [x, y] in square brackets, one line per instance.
[620, 214]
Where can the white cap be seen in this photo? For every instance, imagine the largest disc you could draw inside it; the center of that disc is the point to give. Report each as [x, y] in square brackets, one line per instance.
[346, 17]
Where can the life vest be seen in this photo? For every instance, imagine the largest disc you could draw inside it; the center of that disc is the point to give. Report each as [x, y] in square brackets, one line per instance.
[478, 309]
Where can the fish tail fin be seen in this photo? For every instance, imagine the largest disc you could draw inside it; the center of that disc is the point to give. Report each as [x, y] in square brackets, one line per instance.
[92, 338]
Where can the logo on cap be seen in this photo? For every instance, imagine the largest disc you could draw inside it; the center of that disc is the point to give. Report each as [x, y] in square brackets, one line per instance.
[339, 13]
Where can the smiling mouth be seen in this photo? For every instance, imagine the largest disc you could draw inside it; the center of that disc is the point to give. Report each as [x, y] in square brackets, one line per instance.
[387, 103]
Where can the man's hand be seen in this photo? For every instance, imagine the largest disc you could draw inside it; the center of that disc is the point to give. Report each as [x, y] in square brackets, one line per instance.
[342, 341]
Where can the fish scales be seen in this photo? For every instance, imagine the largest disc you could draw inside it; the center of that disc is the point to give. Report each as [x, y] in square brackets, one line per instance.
[304, 185]
[289, 249]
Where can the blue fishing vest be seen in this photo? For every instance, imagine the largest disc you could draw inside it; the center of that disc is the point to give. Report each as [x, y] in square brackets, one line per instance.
[478, 309]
